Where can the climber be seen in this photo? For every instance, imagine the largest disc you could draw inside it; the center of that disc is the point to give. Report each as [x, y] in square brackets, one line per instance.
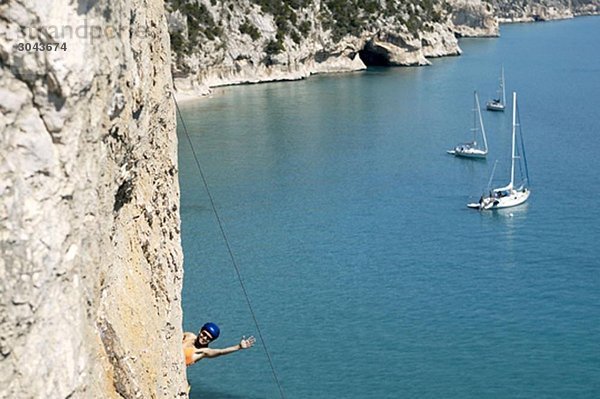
[196, 347]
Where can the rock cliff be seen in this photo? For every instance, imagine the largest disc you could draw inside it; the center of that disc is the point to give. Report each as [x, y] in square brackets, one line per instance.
[90, 256]
[509, 11]
[474, 19]
[223, 42]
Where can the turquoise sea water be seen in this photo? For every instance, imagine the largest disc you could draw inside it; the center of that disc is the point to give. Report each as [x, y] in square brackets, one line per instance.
[367, 273]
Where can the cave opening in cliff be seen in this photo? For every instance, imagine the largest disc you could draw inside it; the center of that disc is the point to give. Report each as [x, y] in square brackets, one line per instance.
[373, 58]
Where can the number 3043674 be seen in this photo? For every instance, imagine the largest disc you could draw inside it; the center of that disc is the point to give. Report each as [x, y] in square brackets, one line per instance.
[41, 46]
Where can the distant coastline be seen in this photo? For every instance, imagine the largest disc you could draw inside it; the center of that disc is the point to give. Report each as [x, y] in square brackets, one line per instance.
[189, 89]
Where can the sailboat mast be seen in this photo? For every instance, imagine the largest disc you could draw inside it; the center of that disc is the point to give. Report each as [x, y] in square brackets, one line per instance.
[485, 147]
[474, 117]
[514, 129]
[503, 89]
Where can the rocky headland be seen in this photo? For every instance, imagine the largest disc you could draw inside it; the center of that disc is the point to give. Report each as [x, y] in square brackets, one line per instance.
[225, 42]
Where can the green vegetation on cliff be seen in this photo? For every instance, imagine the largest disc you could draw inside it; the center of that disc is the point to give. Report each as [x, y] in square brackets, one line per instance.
[206, 31]
[340, 17]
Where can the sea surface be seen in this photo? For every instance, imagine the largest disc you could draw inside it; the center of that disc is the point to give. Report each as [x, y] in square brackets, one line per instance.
[366, 272]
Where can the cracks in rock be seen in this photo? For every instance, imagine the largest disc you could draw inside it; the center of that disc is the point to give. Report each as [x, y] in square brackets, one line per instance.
[84, 6]
[113, 133]
[124, 194]
[107, 13]
[124, 380]
[55, 93]
[125, 160]
[129, 173]
[136, 113]
[117, 104]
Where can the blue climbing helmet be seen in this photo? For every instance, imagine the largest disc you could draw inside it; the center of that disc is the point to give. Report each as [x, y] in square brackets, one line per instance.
[212, 329]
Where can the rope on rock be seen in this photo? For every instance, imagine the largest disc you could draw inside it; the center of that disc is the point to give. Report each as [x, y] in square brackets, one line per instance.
[231, 256]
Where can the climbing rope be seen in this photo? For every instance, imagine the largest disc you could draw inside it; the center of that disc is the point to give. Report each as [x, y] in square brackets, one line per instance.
[231, 256]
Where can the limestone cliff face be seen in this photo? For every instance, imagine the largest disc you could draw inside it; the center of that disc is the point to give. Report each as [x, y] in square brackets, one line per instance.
[222, 42]
[90, 256]
[543, 10]
[474, 18]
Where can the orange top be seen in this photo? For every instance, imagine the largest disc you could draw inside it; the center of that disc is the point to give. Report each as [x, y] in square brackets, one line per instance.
[189, 355]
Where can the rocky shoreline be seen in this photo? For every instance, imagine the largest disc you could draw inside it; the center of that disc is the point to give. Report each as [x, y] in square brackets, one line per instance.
[388, 42]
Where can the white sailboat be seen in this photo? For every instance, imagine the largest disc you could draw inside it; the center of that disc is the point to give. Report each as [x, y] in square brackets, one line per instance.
[514, 193]
[472, 149]
[499, 103]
